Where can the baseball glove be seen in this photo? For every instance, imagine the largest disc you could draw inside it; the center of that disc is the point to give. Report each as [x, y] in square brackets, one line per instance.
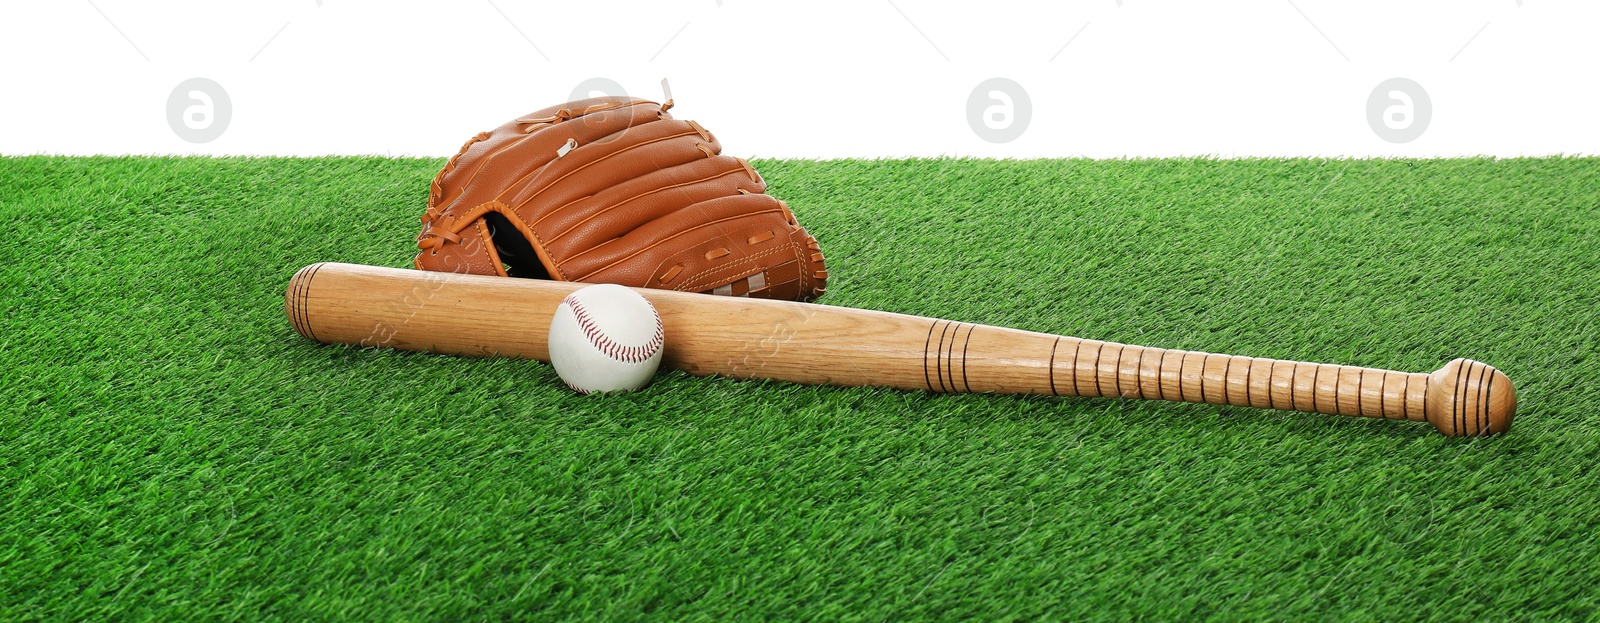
[614, 190]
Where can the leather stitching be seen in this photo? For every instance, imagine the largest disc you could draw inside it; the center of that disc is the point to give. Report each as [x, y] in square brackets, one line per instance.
[658, 243]
[518, 183]
[608, 346]
[437, 194]
[483, 163]
[539, 247]
[488, 244]
[619, 204]
[689, 284]
[489, 157]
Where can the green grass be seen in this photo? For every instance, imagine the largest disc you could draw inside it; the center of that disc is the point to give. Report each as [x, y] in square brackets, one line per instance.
[171, 450]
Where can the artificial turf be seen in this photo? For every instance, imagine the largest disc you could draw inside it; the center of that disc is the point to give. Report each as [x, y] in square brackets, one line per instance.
[171, 450]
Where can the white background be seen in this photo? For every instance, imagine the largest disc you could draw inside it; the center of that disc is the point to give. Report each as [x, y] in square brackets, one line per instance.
[869, 78]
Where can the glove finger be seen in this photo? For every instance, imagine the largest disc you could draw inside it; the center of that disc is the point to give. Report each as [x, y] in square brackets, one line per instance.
[530, 146]
[620, 209]
[635, 248]
[583, 172]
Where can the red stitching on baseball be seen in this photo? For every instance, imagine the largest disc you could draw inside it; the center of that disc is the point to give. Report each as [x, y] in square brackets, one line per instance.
[603, 342]
[575, 388]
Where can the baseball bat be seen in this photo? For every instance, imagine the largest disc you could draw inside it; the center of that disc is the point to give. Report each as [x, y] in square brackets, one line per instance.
[821, 344]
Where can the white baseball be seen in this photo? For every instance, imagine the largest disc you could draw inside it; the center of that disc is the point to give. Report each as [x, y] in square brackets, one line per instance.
[605, 338]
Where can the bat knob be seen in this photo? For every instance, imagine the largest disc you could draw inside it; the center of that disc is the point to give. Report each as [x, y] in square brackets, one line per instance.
[1468, 398]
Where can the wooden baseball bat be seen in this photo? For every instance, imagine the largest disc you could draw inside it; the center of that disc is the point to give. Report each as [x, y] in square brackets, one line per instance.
[821, 344]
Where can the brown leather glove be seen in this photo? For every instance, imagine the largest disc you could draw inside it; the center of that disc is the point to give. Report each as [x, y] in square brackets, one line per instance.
[614, 190]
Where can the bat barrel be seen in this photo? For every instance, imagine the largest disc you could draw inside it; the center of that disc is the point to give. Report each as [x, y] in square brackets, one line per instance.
[436, 312]
[705, 335]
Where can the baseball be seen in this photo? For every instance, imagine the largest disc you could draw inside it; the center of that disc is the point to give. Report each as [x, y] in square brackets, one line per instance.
[605, 338]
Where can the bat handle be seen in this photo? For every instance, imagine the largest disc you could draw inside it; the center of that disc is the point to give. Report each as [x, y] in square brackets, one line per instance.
[1464, 398]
